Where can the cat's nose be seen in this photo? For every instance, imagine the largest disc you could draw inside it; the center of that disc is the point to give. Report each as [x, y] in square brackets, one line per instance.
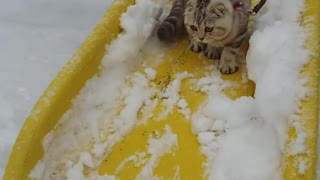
[201, 39]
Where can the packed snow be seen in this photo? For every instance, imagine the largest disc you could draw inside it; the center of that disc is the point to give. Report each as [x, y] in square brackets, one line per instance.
[232, 134]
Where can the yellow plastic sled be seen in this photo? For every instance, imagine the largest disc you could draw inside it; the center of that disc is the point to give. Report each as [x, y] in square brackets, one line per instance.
[85, 64]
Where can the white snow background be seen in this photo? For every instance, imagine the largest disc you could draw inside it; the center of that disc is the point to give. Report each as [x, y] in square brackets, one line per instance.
[37, 37]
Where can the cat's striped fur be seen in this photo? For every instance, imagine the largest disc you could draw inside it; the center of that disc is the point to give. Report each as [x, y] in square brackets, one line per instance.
[215, 27]
[173, 25]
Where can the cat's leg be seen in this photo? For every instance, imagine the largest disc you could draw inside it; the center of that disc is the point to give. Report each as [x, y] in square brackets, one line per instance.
[228, 63]
[197, 46]
[212, 52]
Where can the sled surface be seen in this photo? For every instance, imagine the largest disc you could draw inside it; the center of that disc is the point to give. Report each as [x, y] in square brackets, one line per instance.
[84, 64]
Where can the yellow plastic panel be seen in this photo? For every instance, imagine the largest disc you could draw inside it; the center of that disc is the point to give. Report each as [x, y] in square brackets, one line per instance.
[57, 98]
[309, 107]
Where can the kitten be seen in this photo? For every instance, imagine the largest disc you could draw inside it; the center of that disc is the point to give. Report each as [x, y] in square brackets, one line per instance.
[215, 27]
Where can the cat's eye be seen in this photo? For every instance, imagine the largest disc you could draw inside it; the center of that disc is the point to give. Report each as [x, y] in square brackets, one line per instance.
[193, 28]
[208, 29]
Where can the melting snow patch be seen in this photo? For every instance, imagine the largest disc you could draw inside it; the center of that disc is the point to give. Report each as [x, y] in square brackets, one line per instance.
[86, 159]
[210, 83]
[151, 73]
[298, 144]
[171, 94]
[177, 173]
[302, 166]
[157, 148]
[103, 177]
[138, 159]
[147, 110]
[183, 108]
[74, 171]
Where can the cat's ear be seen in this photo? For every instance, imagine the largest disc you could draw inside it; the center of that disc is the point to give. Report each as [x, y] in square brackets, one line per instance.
[219, 10]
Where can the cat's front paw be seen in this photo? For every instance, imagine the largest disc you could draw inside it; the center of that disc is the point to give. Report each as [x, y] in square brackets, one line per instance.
[228, 65]
[212, 52]
[197, 46]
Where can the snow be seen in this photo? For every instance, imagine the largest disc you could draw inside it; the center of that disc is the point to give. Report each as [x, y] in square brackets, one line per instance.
[218, 125]
[37, 172]
[106, 177]
[75, 171]
[298, 145]
[281, 72]
[241, 148]
[242, 138]
[183, 108]
[171, 95]
[147, 110]
[135, 97]
[251, 152]
[138, 159]
[205, 137]
[302, 166]
[157, 148]
[255, 129]
[37, 38]
[95, 119]
[151, 73]
[86, 159]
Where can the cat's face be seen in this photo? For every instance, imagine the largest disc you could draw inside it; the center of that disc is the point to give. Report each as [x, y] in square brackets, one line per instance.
[208, 20]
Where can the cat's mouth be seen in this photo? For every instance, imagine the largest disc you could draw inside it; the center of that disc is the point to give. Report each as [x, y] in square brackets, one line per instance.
[213, 39]
[220, 37]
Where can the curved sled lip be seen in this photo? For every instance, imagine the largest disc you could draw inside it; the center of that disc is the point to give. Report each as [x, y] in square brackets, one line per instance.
[58, 96]
[310, 106]
[85, 63]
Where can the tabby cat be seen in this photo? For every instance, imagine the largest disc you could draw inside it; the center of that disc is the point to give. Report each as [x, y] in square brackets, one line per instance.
[215, 27]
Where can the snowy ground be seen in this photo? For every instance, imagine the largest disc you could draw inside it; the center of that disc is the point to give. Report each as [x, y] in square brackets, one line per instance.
[37, 38]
